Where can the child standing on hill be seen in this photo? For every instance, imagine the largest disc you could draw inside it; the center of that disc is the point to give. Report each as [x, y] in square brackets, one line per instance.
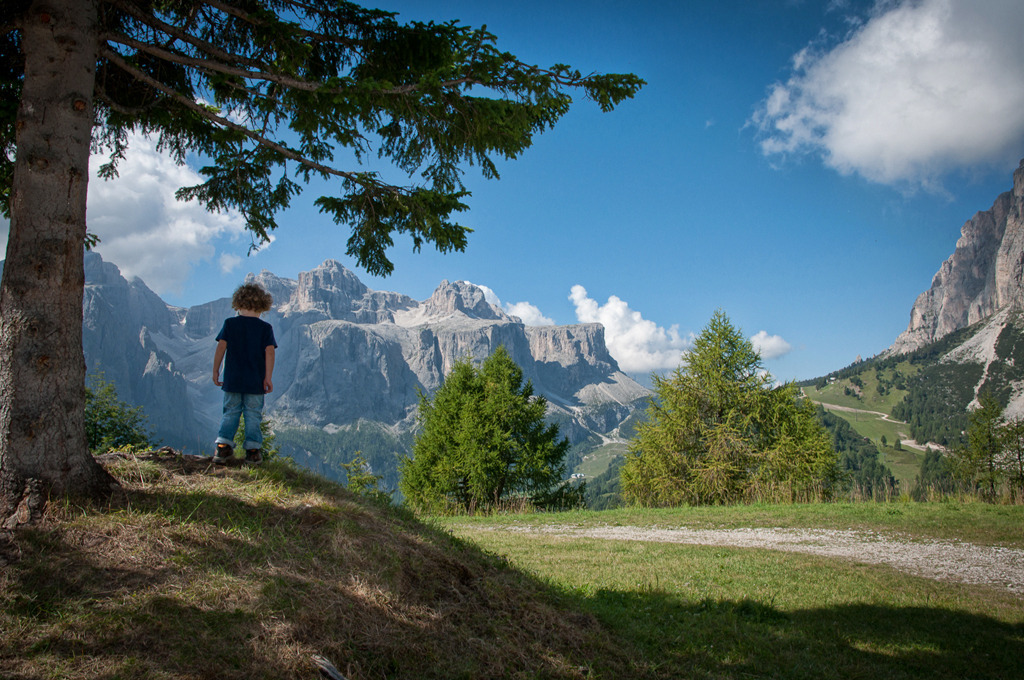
[247, 342]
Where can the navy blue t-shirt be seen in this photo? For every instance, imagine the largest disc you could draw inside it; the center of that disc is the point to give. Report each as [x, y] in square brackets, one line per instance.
[245, 362]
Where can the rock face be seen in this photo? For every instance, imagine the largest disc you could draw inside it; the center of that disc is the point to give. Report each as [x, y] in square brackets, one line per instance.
[120, 320]
[984, 275]
[347, 354]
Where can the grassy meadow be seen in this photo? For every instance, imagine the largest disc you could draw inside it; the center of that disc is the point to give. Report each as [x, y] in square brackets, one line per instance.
[198, 571]
[868, 415]
[598, 460]
[720, 612]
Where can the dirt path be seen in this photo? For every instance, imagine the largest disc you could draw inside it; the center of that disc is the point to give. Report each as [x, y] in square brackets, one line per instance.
[904, 441]
[941, 560]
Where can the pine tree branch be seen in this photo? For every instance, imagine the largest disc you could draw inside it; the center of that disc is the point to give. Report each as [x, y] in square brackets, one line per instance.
[258, 71]
[306, 33]
[205, 113]
[156, 23]
[214, 66]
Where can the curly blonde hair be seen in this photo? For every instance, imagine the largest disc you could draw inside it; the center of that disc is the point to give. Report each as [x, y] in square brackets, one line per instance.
[252, 297]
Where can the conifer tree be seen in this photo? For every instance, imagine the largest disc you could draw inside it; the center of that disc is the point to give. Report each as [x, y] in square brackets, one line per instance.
[979, 463]
[1011, 438]
[272, 94]
[719, 432]
[484, 441]
[109, 422]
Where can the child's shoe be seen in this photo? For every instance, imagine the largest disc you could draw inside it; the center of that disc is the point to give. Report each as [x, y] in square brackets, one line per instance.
[253, 457]
[224, 454]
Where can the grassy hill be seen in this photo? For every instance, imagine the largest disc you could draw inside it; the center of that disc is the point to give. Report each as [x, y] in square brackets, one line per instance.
[199, 571]
[597, 460]
[865, 398]
[210, 572]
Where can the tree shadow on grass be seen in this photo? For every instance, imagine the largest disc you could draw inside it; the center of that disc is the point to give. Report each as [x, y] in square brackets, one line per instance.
[194, 584]
[191, 581]
[745, 638]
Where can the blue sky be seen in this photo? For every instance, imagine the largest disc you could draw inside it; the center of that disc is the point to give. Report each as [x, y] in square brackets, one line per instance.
[804, 166]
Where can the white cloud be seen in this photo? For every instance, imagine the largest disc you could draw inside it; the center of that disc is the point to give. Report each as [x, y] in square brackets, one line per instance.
[528, 313]
[228, 262]
[770, 346]
[489, 294]
[919, 89]
[143, 229]
[638, 345]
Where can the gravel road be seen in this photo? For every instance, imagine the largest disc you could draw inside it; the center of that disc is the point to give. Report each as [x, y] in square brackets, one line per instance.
[996, 566]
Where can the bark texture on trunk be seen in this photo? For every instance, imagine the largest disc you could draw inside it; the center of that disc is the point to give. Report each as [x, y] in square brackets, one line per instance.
[42, 369]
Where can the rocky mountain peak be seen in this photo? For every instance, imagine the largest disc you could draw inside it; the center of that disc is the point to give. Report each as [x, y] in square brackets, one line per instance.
[330, 289]
[462, 298]
[281, 289]
[984, 275]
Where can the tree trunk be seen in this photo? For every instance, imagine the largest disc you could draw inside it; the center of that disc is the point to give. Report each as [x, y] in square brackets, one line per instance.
[42, 369]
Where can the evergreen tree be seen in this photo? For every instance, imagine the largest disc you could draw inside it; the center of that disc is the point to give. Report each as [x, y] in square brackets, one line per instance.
[270, 92]
[718, 432]
[484, 441]
[268, 448]
[979, 463]
[1012, 442]
[360, 480]
[109, 422]
[935, 475]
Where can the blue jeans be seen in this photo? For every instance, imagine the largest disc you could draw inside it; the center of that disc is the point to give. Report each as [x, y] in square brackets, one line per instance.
[235, 405]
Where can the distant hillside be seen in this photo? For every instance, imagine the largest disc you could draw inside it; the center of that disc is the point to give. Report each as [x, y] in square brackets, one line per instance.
[931, 388]
[965, 337]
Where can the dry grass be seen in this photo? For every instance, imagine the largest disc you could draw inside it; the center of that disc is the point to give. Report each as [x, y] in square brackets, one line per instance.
[204, 572]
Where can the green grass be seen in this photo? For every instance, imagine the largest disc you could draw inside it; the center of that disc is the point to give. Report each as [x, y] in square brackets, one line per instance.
[906, 463]
[198, 571]
[718, 612]
[713, 612]
[976, 522]
[598, 460]
[869, 398]
[872, 425]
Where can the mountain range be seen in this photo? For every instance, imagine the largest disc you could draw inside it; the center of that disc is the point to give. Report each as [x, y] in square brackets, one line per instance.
[347, 356]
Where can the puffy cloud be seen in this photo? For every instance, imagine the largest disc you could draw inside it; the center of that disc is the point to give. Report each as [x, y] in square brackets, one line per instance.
[917, 90]
[228, 262]
[638, 345]
[530, 314]
[489, 294]
[770, 346]
[144, 230]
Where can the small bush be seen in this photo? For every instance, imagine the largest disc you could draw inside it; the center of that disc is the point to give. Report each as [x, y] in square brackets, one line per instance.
[109, 422]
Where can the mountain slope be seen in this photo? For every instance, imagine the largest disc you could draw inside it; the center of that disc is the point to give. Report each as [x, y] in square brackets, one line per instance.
[984, 275]
[932, 388]
[965, 337]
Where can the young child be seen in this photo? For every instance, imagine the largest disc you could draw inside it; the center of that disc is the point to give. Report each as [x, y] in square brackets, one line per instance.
[247, 343]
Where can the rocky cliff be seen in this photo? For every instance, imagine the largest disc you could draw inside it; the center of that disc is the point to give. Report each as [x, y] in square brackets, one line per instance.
[985, 274]
[347, 354]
